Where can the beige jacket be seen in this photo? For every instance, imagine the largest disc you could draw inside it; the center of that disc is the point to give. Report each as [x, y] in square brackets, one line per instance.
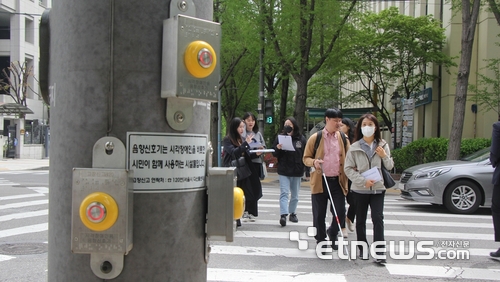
[317, 174]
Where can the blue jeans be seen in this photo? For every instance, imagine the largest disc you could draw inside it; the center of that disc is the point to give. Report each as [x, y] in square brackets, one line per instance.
[289, 184]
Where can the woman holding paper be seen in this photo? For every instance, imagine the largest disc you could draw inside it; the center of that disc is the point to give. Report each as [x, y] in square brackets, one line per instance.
[289, 148]
[368, 151]
[235, 146]
[252, 129]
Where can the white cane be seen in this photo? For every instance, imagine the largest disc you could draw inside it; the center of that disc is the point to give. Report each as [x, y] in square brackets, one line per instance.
[339, 233]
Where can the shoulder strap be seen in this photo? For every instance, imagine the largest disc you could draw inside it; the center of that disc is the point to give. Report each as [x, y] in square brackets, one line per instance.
[316, 144]
[344, 141]
[318, 139]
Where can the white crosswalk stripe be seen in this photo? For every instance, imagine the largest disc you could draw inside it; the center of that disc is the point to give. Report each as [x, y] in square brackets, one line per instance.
[404, 221]
[22, 215]
[219, 274]
[36, 172]
[265, 239]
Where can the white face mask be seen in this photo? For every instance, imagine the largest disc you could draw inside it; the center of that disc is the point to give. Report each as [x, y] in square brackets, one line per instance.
[368, 131]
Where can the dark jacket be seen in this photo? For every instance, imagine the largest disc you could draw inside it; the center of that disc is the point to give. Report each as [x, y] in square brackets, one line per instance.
[251, 185]
[495, 152]
[290, 162]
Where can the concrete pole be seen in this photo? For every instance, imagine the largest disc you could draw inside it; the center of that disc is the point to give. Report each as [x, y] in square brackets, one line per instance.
[114, 47]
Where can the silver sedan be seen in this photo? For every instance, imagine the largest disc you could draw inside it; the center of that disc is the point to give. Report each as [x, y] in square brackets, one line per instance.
[461, 186]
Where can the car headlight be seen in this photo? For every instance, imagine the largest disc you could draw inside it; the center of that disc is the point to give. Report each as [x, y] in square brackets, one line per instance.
[432, 173]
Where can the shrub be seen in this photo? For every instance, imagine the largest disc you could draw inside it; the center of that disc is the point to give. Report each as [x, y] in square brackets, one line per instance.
[426, 150]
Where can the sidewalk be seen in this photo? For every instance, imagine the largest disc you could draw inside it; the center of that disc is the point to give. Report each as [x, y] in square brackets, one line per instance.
[272, 178]
[24, 164]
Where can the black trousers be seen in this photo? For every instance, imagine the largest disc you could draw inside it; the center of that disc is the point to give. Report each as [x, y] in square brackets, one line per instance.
[351, 211]
[376, 204]
[319, 206]
[495, 211]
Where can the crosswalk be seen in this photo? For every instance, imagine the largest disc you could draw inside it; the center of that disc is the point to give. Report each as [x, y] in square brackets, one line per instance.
[265, 251]
[23, 214]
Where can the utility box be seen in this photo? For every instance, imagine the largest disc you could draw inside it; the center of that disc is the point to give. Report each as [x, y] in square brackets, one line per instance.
[102, 211]
[190, 59]
[220, 218]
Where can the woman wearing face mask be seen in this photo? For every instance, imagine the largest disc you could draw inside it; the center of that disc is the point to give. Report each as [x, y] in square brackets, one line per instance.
[368, 151]
[290, 170]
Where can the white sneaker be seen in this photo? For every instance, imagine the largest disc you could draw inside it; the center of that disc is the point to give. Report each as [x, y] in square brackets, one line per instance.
[251, 217]
[344, 232]
[245, 217]
[350, 225]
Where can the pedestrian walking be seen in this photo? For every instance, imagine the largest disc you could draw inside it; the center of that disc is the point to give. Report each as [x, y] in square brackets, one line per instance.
[290, 169]
[348, 127]
[234, 148]
[495, 199]
[253, 129]
[368, 151]
[327, 148]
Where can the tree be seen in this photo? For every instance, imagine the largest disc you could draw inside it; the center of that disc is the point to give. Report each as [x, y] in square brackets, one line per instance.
[240, 49]
[470, 14]
[15, 83]
[487, 88]
[303, 36]
[387, 51]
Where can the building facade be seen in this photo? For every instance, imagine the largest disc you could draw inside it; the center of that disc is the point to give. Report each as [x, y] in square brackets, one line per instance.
[26, 137]
[434, 118]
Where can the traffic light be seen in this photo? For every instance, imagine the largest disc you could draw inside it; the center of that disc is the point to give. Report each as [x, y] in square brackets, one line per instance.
[269, 110]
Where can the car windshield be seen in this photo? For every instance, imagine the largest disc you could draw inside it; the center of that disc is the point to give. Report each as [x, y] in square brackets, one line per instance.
[478, 156]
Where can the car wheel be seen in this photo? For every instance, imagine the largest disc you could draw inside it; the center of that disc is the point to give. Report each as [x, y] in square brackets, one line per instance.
[462, 196]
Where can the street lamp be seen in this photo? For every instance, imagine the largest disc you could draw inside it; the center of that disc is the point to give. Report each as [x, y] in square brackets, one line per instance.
[395, 100]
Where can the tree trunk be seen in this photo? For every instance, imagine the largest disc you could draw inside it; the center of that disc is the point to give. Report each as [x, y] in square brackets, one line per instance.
[469, 20]
[284, 98]
[300, 99]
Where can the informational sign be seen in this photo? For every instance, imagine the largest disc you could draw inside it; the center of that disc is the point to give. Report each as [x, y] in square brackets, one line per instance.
[408, 112]
[423, 97]
[165, 161]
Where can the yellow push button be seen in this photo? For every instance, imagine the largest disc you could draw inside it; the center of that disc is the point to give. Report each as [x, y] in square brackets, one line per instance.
[200, 59]
[239, 203]
[98, 211]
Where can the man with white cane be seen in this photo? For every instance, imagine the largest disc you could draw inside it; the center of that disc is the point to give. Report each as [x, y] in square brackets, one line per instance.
[325, 152]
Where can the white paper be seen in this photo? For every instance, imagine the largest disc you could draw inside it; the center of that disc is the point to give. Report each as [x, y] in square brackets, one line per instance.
[262, 151]
[286, 142]
[372, 174]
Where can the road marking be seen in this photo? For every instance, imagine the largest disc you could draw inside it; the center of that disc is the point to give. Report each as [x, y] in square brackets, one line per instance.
[420, 235]
[41, 190]
[23, 215]
[387, 222]
[263, 251]
[5, 258]
[243, 275]
[24, 230]
[311, 253]
[24, 172]
[444, 271]
[20, 196]
[23, 204]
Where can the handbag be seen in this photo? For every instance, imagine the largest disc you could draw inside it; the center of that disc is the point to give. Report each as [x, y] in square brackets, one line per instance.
[242, 169]
[386, 175]
[263, 173]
